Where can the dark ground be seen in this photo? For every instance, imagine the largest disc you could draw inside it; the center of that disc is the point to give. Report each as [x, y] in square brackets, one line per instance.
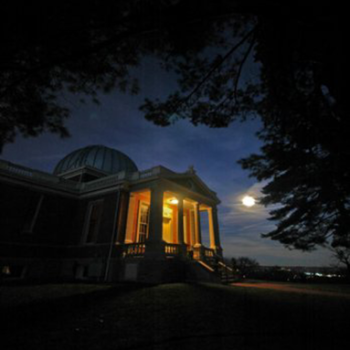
[173, 316]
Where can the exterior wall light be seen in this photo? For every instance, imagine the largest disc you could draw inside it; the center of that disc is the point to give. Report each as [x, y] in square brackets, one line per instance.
[173, 201]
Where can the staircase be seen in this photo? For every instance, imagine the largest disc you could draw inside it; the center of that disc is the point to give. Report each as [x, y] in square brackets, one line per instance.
[227, 274]
[199, 271]
[219, 269]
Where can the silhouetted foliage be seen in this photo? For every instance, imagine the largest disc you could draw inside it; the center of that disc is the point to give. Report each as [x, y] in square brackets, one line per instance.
[305, 156]
[245, 267]
[65, 46]
[277, 273]
[342, 255]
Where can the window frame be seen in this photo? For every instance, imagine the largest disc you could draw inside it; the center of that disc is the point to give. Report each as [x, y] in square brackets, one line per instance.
[31, 220]
[139, 223]
[87, 222]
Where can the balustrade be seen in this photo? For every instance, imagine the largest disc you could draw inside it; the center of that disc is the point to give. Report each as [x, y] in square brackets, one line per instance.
[134, 249]
[172, 249]
[138, 249]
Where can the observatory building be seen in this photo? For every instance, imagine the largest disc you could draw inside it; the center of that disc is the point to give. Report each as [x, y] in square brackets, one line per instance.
[98, 217]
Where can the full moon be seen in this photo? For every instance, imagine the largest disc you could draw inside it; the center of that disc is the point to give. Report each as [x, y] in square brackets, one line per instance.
[248, 201]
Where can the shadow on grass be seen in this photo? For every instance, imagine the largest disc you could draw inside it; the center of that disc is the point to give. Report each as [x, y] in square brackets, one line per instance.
[60, 307]
[185, 316]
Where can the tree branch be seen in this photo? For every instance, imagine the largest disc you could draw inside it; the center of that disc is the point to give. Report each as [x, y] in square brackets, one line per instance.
[241, 66]
[234, 95]
[218, 64]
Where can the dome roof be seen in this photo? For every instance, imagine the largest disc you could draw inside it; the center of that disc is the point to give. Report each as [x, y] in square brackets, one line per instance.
[100, 157]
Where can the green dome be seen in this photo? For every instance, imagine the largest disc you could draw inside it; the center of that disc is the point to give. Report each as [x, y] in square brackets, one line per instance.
[100, 157]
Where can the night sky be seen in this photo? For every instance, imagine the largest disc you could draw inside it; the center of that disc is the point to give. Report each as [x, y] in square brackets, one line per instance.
[117, 123]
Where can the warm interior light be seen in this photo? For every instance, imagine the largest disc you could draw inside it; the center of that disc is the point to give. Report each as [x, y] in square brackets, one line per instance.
[167, 212]
[248, 201]
[173, 201]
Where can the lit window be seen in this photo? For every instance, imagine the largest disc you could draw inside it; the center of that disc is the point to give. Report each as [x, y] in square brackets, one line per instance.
[143, 222]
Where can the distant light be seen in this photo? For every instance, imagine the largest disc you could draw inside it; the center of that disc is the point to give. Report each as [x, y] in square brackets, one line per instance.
[248, 201]
[173, 201]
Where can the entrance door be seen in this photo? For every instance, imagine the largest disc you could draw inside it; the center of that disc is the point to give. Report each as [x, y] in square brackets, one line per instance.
[167, 231]
[168, 215]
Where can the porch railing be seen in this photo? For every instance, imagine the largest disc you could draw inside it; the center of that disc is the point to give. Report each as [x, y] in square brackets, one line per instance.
[209, 256]
[209, 253]
[134, 249]
[172, 249]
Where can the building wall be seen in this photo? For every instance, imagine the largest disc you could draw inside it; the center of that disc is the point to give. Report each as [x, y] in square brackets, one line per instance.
[55, 220]
[106, 224]
[53, 246]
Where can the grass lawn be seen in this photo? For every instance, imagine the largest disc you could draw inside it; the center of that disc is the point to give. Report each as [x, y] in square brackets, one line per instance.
[173, 316]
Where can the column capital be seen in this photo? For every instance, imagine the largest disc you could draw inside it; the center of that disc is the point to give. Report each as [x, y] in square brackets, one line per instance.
[157, 187]
[180, 199]
[213, 208]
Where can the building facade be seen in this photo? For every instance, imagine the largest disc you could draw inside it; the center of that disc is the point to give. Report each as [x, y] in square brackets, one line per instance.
[98, 217]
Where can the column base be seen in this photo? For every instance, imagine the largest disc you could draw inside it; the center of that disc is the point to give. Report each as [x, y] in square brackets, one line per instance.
[155, 250]
[198, 252]
[218, 250]
[183, 250]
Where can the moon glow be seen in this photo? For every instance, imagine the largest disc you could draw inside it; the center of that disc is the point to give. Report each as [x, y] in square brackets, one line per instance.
[248, 201]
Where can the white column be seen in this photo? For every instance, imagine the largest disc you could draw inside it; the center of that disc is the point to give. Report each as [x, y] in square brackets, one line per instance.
[156, 215]
[211, 228]
[180, 220]
[215, 228]
[197, 219]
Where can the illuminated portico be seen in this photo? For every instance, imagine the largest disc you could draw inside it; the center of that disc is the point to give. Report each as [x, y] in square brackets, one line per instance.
[164, 220]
